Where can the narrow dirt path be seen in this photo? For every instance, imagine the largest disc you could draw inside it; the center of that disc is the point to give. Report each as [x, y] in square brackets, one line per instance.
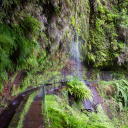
[34, 118]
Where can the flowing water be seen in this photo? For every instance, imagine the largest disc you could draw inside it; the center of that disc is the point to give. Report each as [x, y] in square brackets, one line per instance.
[75, 56]
[77, 72]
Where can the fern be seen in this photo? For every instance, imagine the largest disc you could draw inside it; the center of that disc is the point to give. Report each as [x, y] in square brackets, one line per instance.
[79, 90]
[117, 100]
[122, 90]
[60, 114]
[7, 45]
[16, 51]
[31, 25]
[120, 87]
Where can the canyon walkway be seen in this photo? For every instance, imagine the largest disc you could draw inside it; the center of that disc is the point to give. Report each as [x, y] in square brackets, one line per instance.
[34, 117]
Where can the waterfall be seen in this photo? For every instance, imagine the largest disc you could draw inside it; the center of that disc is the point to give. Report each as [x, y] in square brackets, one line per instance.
[75, 56]
[78, 59]
[77, 72]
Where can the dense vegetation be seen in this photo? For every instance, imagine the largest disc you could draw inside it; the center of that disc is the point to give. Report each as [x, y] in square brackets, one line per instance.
[111, 113]
[28, 47]
[61, 115]
[78, 90]
[35, 45]
[40, 35]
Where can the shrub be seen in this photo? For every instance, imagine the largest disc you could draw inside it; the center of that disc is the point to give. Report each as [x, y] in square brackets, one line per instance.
[79, 90]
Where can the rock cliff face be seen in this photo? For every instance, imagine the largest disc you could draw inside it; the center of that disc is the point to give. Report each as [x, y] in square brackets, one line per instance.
[33, 34]
[54, 18]
[35, 37]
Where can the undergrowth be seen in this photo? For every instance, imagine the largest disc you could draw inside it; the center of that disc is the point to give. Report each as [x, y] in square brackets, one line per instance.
[117, 89]
[79, 90]
[61, 115]
[115, 95]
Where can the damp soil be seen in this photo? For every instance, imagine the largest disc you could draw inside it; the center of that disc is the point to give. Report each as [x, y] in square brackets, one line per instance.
[34, 118]
[7, 114]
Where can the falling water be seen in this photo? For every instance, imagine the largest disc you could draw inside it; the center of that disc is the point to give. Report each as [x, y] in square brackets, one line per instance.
[75, 56]
[77, 72]
[78, 59]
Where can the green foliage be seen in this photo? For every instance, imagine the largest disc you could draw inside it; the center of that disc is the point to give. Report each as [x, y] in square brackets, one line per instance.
[79, 90]
[30, 80]
[116, 99]
[1, 87]
[62, 115]
[69, 77]
[124, 126]
[99, 120]
[120, 119]
[118, 90]
[13, 42]
[7, 45]
[31, 25]
[16, 51]
[106, 41]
